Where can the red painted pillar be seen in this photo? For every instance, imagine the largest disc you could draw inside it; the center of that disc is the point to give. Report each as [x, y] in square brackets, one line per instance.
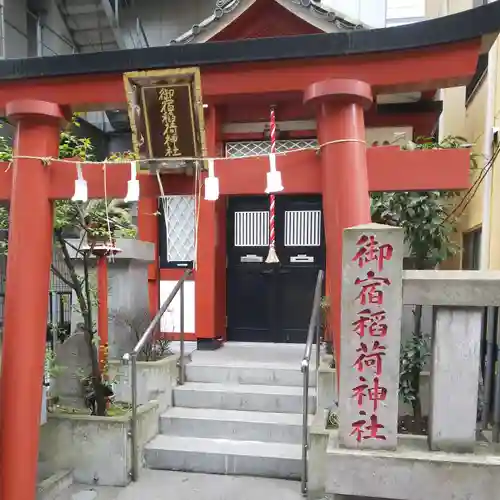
[26, 296]
[102, 309]
[346, 201]
[148, 229]
[206, 271]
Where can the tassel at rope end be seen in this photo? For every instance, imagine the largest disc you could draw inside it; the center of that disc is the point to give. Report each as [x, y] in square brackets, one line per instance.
[272, 256]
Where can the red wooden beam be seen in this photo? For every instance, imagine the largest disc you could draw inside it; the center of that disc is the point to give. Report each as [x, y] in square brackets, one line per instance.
[412, 70]
[389, 169]
[63, 177]
[430, 68]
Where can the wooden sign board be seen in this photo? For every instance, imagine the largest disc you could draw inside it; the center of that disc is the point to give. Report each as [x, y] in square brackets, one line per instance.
[166, 117]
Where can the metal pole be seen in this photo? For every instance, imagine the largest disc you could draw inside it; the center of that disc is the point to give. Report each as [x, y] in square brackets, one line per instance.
[182, 373]
[496, 404]
[305, 415]
[488, 372]
[2, 27]
[140, 27]
[318, 346]
[39, 36]
[133, 426]
[117, 16]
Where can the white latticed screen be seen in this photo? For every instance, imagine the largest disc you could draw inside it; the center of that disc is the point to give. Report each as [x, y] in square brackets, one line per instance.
[180, 224]
[303, 228]
[256, 148]
[251, 229]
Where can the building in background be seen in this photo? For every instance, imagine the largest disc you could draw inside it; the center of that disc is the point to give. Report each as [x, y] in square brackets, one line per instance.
[473, 112]
[33, 28]
[58, 27]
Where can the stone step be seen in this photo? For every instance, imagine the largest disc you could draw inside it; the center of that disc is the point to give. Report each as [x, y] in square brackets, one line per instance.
[222, 456]
[232, 424]
[251, 374]
[274, 399]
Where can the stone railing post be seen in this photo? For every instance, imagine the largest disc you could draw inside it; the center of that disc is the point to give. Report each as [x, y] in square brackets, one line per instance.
[127, 293]
[454, 378]
[458, 299]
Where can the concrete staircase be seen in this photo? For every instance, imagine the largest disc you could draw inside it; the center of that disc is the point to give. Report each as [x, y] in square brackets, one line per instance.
[234, 416]
[93, 24]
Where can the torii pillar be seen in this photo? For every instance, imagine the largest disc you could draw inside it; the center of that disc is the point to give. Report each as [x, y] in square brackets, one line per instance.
[26, 295]
[340, 108]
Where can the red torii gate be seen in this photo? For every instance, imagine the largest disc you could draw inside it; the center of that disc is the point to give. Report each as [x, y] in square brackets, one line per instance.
[340, 88]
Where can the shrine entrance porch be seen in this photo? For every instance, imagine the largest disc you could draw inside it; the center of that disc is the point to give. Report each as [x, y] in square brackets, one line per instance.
[272, 302]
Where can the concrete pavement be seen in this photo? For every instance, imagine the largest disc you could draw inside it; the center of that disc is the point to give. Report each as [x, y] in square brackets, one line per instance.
[163, 485]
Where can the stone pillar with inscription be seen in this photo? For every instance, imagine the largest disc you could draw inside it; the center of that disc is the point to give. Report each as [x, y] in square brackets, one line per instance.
[371, 310]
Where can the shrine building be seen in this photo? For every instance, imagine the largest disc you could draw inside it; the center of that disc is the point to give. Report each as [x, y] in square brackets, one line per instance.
[345, 99]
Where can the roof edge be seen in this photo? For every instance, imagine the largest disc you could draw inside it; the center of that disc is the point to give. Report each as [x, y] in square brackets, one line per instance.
[227, 11]
[481, 23]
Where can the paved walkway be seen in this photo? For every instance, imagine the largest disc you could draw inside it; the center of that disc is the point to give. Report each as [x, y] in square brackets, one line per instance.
[159, 485]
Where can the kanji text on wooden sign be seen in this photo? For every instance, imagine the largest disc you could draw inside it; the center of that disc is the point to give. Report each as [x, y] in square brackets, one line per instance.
[166, 113]
[371, 335]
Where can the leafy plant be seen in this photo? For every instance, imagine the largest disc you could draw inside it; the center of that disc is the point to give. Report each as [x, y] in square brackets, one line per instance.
[429, 224]
[95, 218]
[332, 421]
[325, 310]
[122, 156]
[414, 354]
[52, 368]
[5, 148]
[72, 146]
[137, 323]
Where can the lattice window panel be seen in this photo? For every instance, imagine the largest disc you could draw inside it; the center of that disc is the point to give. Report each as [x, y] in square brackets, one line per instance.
[57, 284]
[180, 224]
[303, 228]
[251, 229]
[260, 148]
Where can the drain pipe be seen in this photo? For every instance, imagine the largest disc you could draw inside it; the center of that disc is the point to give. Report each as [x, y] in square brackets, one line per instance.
[487, 155]
[489, 372]
[441, 93]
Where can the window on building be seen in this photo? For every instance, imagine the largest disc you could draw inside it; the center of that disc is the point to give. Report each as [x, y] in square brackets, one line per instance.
[32, 33]
[471, 250]
[177, 231]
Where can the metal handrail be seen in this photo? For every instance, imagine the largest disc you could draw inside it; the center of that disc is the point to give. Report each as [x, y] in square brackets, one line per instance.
[313, 334]
[131, 358]
[141, 32]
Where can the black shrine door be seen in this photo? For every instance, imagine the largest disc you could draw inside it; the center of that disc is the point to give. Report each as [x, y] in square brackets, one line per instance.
[272, 302]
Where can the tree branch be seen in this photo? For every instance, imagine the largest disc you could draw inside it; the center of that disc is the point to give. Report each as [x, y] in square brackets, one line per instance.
[61, 277]
[76, 249]
[77, 287]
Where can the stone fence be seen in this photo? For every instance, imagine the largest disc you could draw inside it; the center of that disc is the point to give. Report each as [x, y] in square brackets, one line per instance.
[458, 299]
[366, 457]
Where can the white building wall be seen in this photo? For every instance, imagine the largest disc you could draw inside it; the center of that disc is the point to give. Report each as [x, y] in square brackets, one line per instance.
[20, 31]
[368, 12]
[164, 20]
[15, 26]
[405, 11]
